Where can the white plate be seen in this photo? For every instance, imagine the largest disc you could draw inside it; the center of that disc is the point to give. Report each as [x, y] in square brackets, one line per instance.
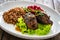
[11, 28]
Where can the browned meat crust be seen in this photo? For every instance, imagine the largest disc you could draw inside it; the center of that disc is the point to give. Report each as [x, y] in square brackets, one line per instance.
[45, 19]
[30, 20]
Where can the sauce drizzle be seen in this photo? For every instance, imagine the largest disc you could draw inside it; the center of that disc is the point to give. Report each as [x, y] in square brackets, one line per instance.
[17, 28]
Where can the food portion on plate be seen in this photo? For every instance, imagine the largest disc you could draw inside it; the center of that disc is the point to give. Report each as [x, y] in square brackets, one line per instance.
[31, 20]
[12, 15]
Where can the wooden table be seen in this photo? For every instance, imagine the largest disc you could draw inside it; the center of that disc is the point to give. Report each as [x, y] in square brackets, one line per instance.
[6, 36]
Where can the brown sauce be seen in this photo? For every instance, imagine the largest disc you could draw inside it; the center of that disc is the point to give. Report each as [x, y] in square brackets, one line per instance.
[17, 29]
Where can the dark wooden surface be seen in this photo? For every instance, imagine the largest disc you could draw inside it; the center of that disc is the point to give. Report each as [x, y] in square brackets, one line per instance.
[6, 36]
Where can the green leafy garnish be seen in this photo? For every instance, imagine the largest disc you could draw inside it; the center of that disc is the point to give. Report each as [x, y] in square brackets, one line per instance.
[38, 12]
